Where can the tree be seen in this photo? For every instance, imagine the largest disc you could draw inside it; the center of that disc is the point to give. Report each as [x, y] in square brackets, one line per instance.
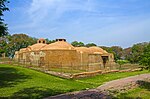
[3, 26]
[145, 57]
[116, 50]
[77, 44]
[50, 41]
[137, 50]
[127, 54]
[104, 47]
[90, 45]
[3, 43]
[16, 42]
[121, 62]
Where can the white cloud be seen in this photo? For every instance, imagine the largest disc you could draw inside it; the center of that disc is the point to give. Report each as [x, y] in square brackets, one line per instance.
[54, 9]
[39, 9]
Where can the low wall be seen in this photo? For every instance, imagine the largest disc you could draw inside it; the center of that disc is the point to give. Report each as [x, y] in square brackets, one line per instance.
[70, 74]
[90, 74]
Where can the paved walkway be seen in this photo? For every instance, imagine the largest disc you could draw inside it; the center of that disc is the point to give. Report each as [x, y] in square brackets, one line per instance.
[102, 91]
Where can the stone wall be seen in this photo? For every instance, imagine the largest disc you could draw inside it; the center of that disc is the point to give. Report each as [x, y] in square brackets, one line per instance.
[61, 57]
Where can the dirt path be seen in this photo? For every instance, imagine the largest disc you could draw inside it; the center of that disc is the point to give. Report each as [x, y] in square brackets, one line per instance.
[103, 91]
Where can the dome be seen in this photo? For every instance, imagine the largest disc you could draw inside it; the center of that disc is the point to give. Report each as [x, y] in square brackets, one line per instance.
[23, 50]
[93, 50]
[16, 52]
[105, 51]
[97, 50]
[59, 45]
[36, 47]
[41, 40]
[82, 49]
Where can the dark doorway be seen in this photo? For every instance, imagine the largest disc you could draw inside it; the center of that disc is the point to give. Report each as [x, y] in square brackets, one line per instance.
[105, 59]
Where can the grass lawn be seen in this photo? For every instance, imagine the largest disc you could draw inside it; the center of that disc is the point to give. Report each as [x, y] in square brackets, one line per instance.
[19, 82]
[100, 79]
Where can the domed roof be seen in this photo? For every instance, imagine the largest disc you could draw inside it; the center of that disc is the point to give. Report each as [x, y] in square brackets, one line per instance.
[98, 52]
[82, 49]
[97, 49]
[36, 47]
[105, 51]
[23, 50]
[41, 39]
[16, 52]
[58, 45]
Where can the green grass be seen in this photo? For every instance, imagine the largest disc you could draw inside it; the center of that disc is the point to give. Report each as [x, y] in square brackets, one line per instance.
[142, 92]
[100, 79]
[19, 82]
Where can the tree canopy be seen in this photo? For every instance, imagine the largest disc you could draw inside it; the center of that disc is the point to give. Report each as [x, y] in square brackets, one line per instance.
[77, 44]
[50, 41]
[116, 50]
[90, 45]
[3, 26]
[11, 43]
[145, 57]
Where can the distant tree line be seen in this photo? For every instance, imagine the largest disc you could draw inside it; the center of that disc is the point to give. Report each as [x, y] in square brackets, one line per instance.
[81, 44]
[138, 53]
[11, 43]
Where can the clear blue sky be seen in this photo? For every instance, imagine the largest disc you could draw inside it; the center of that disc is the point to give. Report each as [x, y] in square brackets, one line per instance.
[104, 22]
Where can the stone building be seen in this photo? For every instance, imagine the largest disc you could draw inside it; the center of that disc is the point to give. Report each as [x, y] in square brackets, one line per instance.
[63, 54]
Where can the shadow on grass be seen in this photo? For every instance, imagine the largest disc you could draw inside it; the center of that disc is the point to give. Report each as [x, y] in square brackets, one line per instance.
[144, 84]
[34, 93]
[9, 77]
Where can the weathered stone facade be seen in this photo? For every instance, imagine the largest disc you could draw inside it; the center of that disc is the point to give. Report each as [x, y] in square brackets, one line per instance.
[64, 54]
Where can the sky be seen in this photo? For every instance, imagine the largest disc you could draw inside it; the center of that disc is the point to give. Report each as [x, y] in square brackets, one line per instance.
[103, 22]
